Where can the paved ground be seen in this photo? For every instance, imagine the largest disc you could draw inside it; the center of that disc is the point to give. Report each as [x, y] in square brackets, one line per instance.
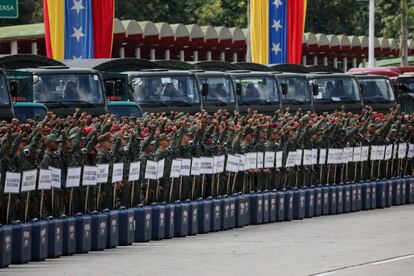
[379, 242]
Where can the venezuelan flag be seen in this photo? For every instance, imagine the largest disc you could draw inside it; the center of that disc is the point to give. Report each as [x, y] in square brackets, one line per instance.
[276, 30]
[78, 29]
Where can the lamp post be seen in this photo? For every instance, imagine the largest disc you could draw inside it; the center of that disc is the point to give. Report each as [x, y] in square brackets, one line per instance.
[371, 32]
[404, 33]
[371, 45]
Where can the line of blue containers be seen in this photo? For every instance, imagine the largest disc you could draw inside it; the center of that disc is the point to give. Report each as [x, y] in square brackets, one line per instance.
[52, 238]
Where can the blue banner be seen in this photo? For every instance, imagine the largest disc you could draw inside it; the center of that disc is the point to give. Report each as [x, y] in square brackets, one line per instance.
[78, 29]
[278, 31]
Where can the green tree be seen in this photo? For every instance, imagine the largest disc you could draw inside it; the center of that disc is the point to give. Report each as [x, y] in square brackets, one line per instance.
[223, 12]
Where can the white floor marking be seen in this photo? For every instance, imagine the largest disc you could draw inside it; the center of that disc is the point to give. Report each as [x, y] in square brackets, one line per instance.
[393, 260]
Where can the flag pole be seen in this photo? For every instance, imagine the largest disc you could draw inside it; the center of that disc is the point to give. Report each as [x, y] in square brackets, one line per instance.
[371, 48]
[248, 51]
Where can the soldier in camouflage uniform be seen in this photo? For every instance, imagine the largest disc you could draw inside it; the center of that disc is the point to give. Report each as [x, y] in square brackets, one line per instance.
[51, 158]
[163, 152]
[247, 145]
[273, 145]
[147, 189]
[104, 156]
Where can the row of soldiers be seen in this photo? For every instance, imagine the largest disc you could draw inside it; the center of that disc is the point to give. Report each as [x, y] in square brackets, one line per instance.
[81, 139]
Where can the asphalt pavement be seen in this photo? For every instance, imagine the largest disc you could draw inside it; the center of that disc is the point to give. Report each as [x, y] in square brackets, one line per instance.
[377, 242]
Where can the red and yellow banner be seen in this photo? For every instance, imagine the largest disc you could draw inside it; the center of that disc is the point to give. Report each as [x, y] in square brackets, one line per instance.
[276, 30]
[78, 29]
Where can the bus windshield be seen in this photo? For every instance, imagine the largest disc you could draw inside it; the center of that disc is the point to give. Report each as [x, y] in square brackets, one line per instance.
[73, 88]
[258, 89]
[337, 89]
[165, 89]
[4, 94]
[376, 89]
[298, 90]
[220, 89]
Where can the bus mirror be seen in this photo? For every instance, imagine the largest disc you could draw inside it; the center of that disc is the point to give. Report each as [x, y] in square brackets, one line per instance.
[315, 89]
[239, 88]
[14, 88]
[204, 89]
[284, 88]
[110, 88]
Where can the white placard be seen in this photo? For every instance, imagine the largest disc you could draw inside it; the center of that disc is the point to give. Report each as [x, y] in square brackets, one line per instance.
[103, 173]
[45, 179]
[260, 160]
[12, 183]
[175, 168]
[232, 164]
[402, 150]
[357, 154]
[215, 164]
[151, 170]
[134, 171]
[373, 155]
[364, 153]
[195, 166]
[340, 156]
[220, 164]
[322, 156]
[279, 159]
[185, 167]
[206, 165]
[29, 179]
[242, 163]
[299, 154]
[388, 152]
[291, 159]
[160, 168]
[73, 177]
[89, 175]
[380, 152]
[56, 177]
[269, 159]
[394, 151]
[251, 160]
[307, 157]
[411, 151]
[314, 154]
[349, 153]
[117, 172]
[332, 156]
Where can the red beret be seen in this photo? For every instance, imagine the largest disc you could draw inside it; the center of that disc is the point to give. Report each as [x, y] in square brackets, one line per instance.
[115, 128]
[88, 130]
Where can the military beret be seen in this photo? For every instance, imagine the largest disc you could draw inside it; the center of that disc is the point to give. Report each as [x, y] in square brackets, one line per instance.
[115, 128]
[147, 141]
[275, 130]
[105, 138]
[53, 137]
[191, 130]
[164, 136]
[88, 130]
[73, 133]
